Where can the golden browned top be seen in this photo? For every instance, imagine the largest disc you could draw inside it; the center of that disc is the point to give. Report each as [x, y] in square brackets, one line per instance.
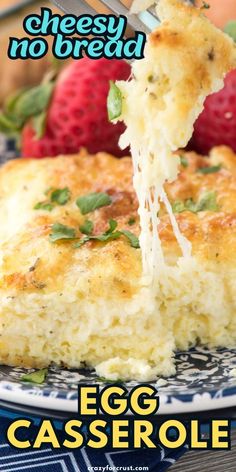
[212, 233]
[31, 262]
[194, 55]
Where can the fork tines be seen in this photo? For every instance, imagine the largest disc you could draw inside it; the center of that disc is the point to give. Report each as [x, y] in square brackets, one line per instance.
[117, 8]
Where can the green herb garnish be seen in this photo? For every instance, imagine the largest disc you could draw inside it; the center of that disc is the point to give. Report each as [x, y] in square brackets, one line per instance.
[81, 242]
[114, 102]
[109, 235]
[207, 202]
[192, 206]
[37, 377]
[183, 161]
[112, 226]
[87, 227]
[178, 206]
[131, 221]
[43, 206]
[134, 241]
[93, 201]
[60, 196]
[209, 170]
[60, 232]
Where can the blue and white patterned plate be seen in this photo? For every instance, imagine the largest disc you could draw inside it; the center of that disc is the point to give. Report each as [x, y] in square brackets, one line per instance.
[204, 380]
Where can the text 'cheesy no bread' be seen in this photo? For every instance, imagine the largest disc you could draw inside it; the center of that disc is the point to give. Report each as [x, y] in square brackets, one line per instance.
[90, 304]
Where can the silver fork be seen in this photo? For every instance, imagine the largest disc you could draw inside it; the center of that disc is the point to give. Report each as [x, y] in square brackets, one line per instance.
[145, 21]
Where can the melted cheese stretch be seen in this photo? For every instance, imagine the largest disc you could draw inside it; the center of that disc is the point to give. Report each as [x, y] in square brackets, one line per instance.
[150, 192]
[185, 60]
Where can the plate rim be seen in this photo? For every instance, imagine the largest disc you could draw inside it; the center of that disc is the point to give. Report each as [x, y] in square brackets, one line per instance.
[168, 404]
[201, 403]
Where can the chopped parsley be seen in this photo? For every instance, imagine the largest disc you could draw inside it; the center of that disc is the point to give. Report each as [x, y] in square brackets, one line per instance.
[183, 161]
[87, 227]
[112, 226]
[131, 221]
[210, 169]
[81, 242]
[93, 201]
[57, 197]
[37, 377]
[207, 202]
[60, 196]
[134, 241]
[60, 232]
[178, 206]
[109, 235]
[192, 206]
[47, 206]
[114, 102]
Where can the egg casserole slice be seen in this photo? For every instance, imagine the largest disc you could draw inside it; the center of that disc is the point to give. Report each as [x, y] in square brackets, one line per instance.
[75, 302]
[185, 59]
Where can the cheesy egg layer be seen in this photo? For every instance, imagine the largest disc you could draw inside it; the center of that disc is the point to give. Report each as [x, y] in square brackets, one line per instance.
[90, 305]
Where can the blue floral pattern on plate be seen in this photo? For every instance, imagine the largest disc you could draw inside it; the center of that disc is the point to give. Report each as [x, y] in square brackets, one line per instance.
[201, 374]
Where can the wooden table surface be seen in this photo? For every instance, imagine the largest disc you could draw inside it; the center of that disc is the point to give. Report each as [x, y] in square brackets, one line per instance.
[208, 461]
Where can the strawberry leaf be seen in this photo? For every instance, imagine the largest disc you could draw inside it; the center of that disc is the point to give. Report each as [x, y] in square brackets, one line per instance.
[39, 124]
[7, 125]
[26, 104]
[230, 29]
[11, 101]
[33, 102]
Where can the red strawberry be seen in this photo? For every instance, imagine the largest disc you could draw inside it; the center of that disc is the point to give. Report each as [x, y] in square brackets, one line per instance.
[217, 123]
[76, 111]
